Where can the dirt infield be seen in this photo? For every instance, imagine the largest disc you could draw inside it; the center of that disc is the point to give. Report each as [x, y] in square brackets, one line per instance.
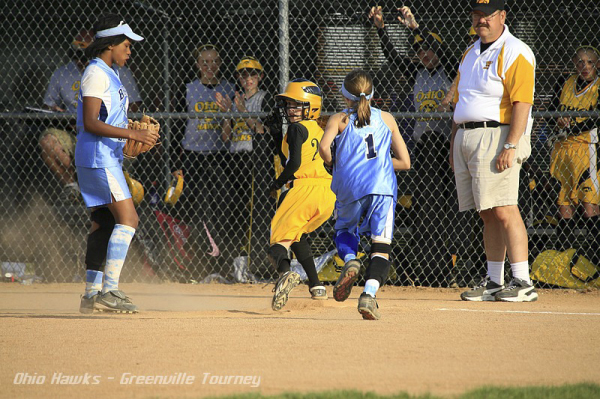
[426, 341]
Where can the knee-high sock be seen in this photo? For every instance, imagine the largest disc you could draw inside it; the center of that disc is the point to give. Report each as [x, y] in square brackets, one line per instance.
[93, 282]
[347, 245]
[118, 246]
[378, 269]
[305, 257]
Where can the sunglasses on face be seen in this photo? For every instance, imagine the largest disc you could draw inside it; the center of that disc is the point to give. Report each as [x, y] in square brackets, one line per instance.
[477, 16]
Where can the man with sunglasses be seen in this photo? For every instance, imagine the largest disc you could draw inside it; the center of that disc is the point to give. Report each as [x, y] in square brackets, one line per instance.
[490, 142]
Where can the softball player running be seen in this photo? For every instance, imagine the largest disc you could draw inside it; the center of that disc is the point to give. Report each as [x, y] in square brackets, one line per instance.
[102, 132]
[309, 202]
[365, 185]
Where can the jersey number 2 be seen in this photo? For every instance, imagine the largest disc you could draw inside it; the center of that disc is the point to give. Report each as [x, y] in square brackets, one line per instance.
[315, 143]
[369, 142]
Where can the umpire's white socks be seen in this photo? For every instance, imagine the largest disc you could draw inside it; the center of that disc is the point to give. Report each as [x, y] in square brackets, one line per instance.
[496, 271]
[520, 270]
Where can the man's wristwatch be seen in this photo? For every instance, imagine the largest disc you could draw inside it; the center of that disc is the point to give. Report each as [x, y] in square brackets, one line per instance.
[510, 146]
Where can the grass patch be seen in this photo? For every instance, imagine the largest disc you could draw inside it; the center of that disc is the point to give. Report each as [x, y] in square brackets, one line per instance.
[574, 391]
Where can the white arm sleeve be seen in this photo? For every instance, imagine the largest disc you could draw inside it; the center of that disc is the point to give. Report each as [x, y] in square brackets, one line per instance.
[94, 82]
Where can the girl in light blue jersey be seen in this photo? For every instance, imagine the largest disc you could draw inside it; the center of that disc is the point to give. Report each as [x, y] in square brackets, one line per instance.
[101, 135]
[365, 186]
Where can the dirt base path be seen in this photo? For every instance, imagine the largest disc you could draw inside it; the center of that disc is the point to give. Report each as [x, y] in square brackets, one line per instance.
[195, 336]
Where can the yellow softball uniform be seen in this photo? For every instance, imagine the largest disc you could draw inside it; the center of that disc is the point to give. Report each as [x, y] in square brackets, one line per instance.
[309, 202]
[575, 166]
[574, 160]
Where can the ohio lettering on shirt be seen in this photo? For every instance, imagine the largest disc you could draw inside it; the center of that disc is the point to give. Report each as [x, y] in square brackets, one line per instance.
[204, 135]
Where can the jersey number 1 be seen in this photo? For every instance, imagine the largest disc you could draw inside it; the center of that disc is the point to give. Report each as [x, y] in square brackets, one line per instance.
[369, 142]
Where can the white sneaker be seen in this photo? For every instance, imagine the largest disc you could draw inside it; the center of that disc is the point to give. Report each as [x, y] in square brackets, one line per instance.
[318, 292]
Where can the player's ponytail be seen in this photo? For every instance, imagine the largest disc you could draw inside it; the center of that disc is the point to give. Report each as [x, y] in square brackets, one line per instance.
[358, 88]
[363, 112]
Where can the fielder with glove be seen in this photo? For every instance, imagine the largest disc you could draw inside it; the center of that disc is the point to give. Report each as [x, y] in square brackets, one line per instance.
[102, 131]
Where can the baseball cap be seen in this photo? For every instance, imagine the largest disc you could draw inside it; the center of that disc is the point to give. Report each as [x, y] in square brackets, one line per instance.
[487, 6]
[427, 41]
[249, 62]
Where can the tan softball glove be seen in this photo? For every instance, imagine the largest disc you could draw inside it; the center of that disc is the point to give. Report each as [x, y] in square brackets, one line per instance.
[133, 148]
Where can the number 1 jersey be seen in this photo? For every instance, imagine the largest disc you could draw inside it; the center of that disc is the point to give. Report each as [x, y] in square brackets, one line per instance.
[363, 164]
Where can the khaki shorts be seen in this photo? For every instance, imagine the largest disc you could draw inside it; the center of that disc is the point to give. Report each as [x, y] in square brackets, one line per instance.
[67, 140]
[479, 184]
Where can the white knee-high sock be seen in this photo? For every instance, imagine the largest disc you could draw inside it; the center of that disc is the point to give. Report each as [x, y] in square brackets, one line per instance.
[118, 245]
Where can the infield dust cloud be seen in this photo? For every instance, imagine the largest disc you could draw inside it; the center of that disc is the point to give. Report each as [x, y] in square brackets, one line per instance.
[40, 238]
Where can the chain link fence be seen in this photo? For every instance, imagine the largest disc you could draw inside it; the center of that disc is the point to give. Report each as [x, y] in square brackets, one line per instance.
[219, 229]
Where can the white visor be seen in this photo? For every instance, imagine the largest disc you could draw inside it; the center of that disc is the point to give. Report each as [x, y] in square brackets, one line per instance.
[122, 29]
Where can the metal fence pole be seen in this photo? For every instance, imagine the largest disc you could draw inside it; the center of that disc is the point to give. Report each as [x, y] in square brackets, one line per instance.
[167, 105]
[284, 44]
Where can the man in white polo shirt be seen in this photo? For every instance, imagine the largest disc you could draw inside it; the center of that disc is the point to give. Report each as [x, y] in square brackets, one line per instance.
[490, 141]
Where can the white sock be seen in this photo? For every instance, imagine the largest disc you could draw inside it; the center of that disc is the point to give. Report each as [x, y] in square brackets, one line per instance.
[371, 287]
[496, 271]
[520, 270]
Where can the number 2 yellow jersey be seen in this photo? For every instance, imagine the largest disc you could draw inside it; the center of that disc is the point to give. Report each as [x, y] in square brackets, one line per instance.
[311, 165]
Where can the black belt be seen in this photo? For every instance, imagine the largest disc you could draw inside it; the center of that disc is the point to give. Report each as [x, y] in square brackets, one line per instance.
[478, 125]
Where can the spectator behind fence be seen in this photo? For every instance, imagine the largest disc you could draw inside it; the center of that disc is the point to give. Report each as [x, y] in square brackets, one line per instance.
[101, 132]
[437, 221]
[58, 144]
[203, 153]
[490, 142]
[365, 186]
[249, 200]
[574, 159]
